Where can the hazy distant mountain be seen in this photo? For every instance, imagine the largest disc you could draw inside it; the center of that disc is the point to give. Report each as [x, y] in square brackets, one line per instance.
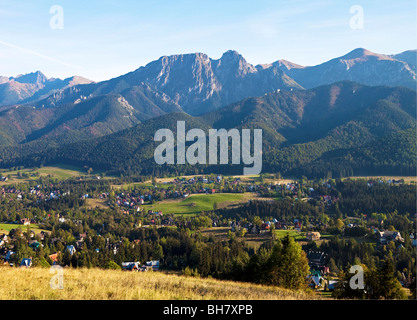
[359, 65]
[32, 86]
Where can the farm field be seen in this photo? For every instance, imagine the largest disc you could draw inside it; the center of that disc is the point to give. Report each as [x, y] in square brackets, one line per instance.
[99, 284]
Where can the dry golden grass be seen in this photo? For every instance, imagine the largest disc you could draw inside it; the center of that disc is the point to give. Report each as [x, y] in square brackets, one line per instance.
[94, 203]
[98, 284]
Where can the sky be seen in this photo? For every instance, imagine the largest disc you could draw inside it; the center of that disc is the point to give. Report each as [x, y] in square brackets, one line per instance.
[103, 39]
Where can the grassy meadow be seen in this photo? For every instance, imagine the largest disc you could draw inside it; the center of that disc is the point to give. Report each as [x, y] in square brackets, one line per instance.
[6, 227]
[297, 235]
[98, 284]
[196, 203]
[61, 172]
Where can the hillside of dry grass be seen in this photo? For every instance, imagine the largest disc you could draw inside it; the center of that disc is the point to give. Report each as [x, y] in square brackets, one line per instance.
[98, 284]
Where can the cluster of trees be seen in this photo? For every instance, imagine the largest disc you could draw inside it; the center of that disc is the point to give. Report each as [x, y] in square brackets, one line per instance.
[333, 156]
[279, 262]
[378, 283]
[357, 197]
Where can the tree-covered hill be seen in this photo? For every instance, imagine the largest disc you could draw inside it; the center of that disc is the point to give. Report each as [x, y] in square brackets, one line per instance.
[340, 129]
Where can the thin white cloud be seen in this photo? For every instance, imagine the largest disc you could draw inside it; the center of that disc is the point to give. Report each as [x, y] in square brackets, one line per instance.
[10, 45]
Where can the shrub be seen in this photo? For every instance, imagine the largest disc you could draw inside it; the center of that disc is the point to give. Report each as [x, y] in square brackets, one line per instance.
[113, 266]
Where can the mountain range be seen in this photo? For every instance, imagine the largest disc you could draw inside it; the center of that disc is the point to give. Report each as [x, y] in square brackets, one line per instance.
[359, 65]
[314, 118]
[199, 84]
[33, 86]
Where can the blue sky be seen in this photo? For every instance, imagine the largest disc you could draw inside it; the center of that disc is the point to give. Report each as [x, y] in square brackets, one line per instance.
[104, 39]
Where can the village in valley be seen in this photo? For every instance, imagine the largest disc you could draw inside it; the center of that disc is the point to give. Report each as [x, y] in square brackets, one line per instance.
[208, 206]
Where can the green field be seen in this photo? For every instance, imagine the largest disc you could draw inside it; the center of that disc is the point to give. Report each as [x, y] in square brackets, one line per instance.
[194, 204]
[6, 227]
[60, 172]
[292, 233]
[299, 236]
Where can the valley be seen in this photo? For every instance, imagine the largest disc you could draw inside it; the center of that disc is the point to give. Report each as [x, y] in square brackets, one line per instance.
[110, 220]
[81, 187]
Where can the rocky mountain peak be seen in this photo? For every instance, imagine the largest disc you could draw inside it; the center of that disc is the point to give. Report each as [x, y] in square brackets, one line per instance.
[234, 63]
[36, 77]
[361, 53]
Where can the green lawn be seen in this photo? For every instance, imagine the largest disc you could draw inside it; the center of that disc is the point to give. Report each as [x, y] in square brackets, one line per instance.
[194, 203]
